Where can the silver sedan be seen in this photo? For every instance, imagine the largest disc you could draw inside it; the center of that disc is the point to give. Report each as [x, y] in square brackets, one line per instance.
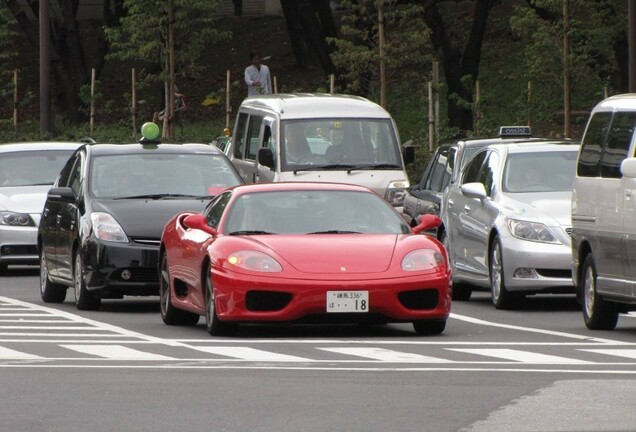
[27, 172]
[508, 221]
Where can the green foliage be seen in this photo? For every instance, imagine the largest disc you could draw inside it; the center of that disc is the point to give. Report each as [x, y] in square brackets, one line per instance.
[357, 56]
[141, 38]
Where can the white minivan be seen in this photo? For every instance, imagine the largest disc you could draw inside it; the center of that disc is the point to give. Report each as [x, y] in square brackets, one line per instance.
[604, 214]
[322, 138]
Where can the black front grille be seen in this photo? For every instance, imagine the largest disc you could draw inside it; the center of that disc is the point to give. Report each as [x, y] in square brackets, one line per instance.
[11, 250]
[139, 275]
[419, 299]
[555, 273]
[262, 301]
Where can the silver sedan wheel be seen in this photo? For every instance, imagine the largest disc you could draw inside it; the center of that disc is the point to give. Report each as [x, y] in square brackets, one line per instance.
[496, 275]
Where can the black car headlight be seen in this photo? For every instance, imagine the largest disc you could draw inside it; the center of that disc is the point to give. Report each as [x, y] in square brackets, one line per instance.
[16, 219]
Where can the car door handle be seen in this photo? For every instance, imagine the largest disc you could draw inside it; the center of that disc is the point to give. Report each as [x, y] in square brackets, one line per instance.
[45, 212]
[450, 203]
[628, 194]
[467, 208]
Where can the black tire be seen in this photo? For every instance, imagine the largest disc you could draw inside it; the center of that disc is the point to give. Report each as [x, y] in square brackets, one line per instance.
[170, 314]
[461, 292]
[501, 297]
[598, 313]
[429, 327]
[84, 300]
[213, 324]
[3, 269]
[49, 291]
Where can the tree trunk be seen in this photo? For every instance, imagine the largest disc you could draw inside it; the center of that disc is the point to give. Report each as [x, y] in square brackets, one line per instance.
[296, 34]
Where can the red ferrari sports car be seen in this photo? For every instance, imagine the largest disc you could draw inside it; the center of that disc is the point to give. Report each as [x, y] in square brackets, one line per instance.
[301, 252]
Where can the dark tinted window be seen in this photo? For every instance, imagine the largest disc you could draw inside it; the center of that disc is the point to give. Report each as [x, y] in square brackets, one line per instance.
[436, 179]
[239, 136]
[215, 209]
[254, 132]
[75, 179]
[489, 172]
[618, 140]
[590, 157]
[62, 180]
[33, 167]
[471, 174]
[449, 167]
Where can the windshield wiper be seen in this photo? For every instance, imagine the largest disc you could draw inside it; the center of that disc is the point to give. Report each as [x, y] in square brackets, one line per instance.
[156, 196]
[323, 167]
[373, 167]
[250, 232]
[335, 232]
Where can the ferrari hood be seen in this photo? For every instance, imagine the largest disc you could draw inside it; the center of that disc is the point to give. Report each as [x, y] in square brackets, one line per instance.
[334, 253]
[23, 199]
[146, 218]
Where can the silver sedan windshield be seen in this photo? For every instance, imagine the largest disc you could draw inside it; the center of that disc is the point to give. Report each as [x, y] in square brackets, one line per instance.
[539, 172]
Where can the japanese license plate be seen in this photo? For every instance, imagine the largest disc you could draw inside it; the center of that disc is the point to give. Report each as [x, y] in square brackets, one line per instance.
[347, 301]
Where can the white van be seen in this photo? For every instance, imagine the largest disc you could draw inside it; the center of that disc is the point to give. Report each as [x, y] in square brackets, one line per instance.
[604, 214]
[320, 137]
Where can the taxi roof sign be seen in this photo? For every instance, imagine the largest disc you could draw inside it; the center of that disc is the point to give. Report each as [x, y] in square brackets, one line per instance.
[515, 131]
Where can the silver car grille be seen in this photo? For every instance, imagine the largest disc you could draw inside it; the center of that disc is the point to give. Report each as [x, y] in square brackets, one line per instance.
[147, 241]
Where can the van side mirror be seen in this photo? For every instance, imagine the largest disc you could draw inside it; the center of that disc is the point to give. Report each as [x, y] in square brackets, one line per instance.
[628, 167]
[266, 157]
[408, 153]
[62, 194]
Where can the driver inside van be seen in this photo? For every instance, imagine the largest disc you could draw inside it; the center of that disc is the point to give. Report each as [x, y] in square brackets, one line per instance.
[297, 149]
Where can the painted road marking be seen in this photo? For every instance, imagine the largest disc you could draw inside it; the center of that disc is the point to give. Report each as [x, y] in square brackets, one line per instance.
[250, 354]
[628, 353]
[116, 352]
[521, 356]
[9, 354]
[386, 355]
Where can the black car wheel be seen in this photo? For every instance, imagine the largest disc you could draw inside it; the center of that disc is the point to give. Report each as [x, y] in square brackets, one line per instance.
[169, 314]
[49, 291]
[213, 325]
[84, 300]
[501, 297]
[429, 327]
[598, 313]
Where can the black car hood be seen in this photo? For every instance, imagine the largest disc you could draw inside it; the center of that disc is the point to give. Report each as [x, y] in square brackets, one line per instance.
[146, 218]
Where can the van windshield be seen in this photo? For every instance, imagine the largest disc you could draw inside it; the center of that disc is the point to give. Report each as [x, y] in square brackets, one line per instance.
[339, 143]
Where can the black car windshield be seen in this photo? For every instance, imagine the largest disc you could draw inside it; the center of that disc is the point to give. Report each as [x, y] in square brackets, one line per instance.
[31, 168]
[549, 171]
[339, 141]
[313, 212]
[160, 175]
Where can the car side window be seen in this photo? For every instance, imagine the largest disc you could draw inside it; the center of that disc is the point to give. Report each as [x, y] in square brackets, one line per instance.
[591, 148]
[427, 171]
[239, 136]
[471, 173]
[450, 165]
[618, 140]
[215, 209]
[488, 172]
[254, 131]
[437, 175]
[75, 178]
[62, 180]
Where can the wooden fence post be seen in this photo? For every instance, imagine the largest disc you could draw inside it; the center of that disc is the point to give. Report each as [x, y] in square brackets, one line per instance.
[15, 100]
[477, 107]
[133, 109]
[228, 106]
[332, 84]
[431, 118]
[92, 119]
[275, 85]
[529, 105]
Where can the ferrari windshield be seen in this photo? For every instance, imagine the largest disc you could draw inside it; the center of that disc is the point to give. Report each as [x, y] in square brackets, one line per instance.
[155, 175]
[549, 171]
[313, 212]
[339, 142]
[30, 168]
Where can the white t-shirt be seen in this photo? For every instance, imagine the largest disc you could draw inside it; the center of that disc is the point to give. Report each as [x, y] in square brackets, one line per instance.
[252, 74]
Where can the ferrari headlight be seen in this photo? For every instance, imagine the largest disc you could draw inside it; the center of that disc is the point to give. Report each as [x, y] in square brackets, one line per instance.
[396, 191]
[422, 259]
[532, 231]
[107, 228]
[254, 261]
[16, 219]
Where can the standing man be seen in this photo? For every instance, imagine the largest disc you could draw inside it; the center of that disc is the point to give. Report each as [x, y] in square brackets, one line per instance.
[257, 77]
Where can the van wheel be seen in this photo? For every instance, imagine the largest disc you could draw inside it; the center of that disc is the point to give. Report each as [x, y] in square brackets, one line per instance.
[598, 313]
[501, 297]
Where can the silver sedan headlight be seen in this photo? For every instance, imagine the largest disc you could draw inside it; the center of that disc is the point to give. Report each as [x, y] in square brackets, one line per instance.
[532, 231]
[16, 219]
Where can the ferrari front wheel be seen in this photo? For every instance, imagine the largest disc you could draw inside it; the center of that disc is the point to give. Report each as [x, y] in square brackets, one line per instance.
[429, 327]
[213, 324]
[170, 314]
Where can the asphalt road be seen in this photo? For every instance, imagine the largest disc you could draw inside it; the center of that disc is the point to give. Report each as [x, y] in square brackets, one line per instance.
[121, 368]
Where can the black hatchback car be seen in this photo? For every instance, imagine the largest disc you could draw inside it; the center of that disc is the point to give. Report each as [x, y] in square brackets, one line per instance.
[102, 221]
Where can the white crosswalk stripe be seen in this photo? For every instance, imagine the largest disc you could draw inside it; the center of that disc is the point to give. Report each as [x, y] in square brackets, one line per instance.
[521, 356]
[386, 355]
[9, 354]
[251, 354]
[116, 352]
